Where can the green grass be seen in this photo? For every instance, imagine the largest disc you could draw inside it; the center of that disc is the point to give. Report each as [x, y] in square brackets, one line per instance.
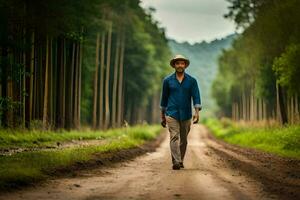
[36, 138]
[28, 167]
[283, 141]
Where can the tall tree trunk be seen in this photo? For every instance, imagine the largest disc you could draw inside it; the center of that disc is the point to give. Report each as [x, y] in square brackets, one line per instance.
[51, 79]
[35, 82]
[264, 115]
[120, 109]
[75, 120]
[248, 100]
[288, 109]
[62, 83]
[241, 108]
[292, 109]
[30, 88]
[244, 107]
[4, 86]
[23, 84]
[281, 105]
[9, 95]
[251, 102]
[27, 81]
[107, 78]
[40, 86]
[70, 91]
[259, 117]
[297, 119]
[79, 84]
[55, 82]
[101, 84]
[46, 86]
[96, 82]
[115, 82]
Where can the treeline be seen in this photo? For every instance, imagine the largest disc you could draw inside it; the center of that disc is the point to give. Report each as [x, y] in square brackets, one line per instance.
[64, 63]
[258, 77]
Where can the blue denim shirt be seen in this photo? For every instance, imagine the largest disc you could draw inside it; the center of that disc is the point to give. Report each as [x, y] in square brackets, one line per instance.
[176, 97]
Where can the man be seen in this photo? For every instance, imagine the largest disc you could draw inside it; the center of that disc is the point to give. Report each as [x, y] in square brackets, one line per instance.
[176, 112]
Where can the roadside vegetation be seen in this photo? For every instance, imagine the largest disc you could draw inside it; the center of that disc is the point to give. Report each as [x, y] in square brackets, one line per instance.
[280, 140]
[28, 167]
[39, 138]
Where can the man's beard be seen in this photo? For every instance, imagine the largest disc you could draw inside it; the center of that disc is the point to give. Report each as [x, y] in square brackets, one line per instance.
[180, 69]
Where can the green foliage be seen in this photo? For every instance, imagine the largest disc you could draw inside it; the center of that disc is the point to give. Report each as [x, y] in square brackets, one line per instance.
[242, 16]
[146, 59]
[287, 68]
[244, 12]
[222, 86]
[283, 141]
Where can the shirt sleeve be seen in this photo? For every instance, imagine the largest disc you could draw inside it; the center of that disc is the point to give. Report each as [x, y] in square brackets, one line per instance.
[164, 95]
[196, 95]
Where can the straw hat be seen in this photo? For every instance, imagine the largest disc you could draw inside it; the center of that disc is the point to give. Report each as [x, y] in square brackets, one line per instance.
[179, 57]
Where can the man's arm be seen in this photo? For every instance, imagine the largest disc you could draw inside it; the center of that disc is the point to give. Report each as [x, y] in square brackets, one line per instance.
[164, 102]
[196, 102]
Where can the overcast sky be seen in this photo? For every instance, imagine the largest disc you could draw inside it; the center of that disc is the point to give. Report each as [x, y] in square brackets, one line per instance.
[192, 20]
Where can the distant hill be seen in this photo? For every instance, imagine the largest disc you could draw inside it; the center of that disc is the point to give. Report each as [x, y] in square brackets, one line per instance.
[203, 57]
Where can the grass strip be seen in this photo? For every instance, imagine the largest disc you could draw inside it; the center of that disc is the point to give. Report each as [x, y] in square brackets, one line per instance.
[28, 167]
[283, 141]
[37, 138]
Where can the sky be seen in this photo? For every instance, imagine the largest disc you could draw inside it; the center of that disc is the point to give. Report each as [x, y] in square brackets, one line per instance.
[192, 20]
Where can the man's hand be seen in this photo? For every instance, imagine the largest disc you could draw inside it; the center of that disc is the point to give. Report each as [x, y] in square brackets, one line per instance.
[163, 123]
[196, 116]
[163, 120]
[195, 119]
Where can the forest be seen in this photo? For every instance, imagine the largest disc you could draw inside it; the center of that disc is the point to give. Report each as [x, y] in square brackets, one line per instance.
[258, 78]
[66, 64]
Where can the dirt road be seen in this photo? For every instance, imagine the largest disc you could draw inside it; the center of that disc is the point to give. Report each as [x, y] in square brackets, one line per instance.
[212, 171]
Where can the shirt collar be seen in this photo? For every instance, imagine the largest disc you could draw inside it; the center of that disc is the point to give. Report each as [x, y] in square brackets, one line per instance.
[185, 75]
[174, 74]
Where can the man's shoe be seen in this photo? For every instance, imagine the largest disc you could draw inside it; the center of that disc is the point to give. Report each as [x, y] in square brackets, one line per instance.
[176, 166]
[181, 165]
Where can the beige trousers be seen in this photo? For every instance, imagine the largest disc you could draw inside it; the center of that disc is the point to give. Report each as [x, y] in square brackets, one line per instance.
[179, 131]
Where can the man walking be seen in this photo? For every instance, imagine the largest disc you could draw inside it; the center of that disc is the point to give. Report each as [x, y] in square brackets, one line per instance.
[176, 112]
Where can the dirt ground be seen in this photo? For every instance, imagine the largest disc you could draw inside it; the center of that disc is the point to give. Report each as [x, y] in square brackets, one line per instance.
[213, 170]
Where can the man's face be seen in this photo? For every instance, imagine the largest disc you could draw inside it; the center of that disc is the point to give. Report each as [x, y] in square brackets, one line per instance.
[180, 65]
